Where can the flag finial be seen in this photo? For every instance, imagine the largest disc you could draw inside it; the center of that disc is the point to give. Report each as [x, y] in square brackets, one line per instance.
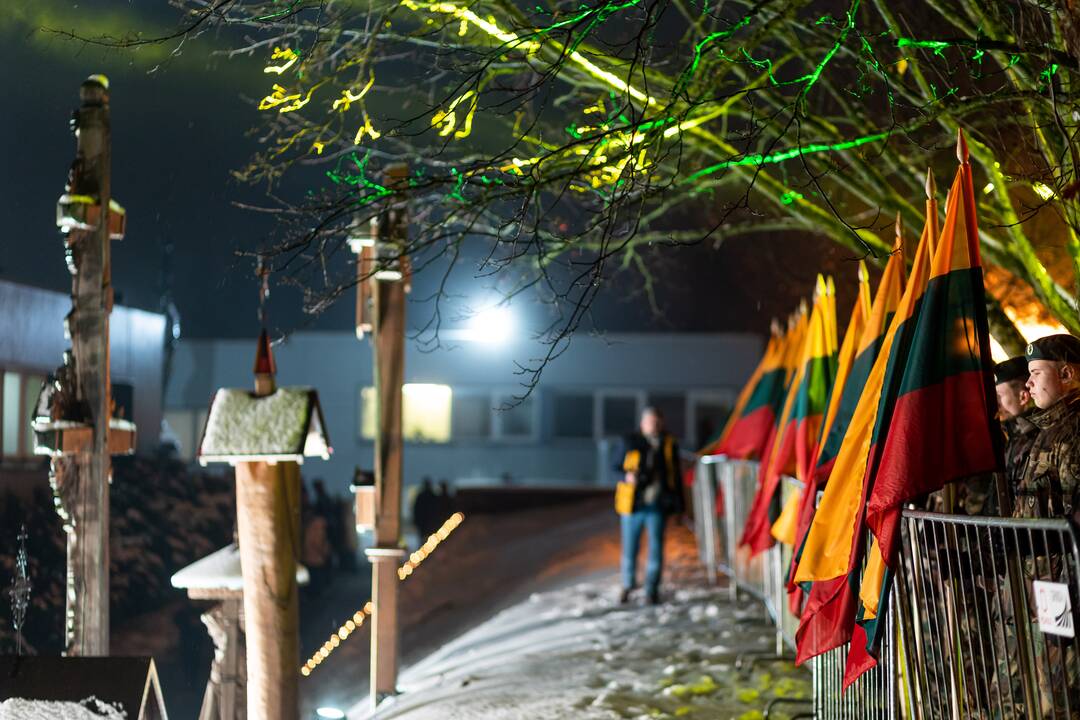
[899, 227]
[931, 186]
[774, 326]
[961, 146]
[864, 274]
[830, 286]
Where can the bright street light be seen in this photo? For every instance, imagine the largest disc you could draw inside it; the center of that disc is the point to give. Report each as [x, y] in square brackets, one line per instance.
[495, 325]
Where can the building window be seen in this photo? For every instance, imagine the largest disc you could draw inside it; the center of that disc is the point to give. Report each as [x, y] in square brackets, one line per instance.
[471, 417]
[426, 412]
[618, 415]
[18, 395]
[12, 399]
[673, 407]
[31, 390]
[185, 432]
[573, 415]
[515, 419]
[710, 413]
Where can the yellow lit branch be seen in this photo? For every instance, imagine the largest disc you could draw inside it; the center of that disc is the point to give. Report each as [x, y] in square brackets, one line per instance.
[279, 98]
[348, 97]
[287, 54]
[366, 129]
[448, 118]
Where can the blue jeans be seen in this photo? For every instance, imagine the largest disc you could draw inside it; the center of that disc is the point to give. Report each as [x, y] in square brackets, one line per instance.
[632, 527]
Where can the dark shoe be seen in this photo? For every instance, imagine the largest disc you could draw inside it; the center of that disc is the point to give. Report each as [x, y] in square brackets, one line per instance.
[653, 597]
[624, 596]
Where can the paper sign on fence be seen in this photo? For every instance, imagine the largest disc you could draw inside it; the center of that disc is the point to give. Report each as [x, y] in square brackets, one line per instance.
[1054, 608]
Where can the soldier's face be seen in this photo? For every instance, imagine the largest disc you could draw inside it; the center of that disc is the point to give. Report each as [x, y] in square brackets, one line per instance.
[1012, 396]
[1046, 382]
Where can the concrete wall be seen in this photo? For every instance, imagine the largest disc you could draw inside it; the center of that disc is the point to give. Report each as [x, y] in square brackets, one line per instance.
[32, 340]
[338, 366]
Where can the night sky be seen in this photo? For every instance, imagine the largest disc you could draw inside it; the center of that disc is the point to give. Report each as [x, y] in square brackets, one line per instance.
[181, 122]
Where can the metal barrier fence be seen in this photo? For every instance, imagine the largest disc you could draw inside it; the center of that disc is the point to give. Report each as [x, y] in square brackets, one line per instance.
[973, 589]
[964, 637]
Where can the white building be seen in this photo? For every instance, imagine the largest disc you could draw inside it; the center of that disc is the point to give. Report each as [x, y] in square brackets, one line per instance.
[462, 421]
[32, 345]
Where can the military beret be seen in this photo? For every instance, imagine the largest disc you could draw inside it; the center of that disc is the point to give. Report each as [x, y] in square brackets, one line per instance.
[1063, 348]
[1011, 369]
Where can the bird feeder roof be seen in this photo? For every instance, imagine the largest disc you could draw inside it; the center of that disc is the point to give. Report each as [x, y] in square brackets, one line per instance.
[286, 425]
[220, 570]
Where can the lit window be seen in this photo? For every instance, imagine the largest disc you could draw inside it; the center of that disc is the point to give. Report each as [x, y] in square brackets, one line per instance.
[12, 405]
[426, 412]
[30, 396]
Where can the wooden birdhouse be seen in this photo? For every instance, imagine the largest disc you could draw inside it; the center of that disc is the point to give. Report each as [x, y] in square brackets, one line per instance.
[265, 435]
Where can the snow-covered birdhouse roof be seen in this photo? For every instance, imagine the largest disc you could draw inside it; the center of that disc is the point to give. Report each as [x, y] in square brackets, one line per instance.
[286, 425]
[220, 573]
[49, 687]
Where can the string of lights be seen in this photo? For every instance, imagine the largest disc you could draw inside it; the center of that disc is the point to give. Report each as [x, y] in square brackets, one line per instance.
[357, 620]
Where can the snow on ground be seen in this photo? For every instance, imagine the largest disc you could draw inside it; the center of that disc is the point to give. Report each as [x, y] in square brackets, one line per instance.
[575, 653]
[88, 709]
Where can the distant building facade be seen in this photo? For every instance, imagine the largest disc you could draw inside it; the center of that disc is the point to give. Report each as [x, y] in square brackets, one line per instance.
[462, 420]
[32, 344]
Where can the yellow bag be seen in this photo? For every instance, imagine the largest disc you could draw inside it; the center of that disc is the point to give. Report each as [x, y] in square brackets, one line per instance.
[624, 491]
[624, 498]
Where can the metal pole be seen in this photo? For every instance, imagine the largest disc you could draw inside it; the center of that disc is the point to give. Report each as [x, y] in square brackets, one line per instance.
[88, 325]
[389, 369]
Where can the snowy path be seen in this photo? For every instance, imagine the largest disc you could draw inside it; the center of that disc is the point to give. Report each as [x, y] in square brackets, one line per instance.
[574, 653]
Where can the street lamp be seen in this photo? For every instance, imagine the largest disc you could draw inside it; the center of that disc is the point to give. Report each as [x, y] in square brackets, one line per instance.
[491, 326]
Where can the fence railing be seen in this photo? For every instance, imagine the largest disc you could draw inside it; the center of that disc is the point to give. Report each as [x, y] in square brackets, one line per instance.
[981, 623]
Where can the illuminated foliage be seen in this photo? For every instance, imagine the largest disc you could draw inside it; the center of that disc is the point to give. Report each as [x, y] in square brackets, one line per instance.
[565, 134]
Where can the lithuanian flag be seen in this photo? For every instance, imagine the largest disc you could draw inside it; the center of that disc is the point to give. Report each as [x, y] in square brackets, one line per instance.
[834, 545]
[851, 379]
[803, 409]
[937, 406]
[811, 404]
[751, 422]
[795, 521]
[761, 508]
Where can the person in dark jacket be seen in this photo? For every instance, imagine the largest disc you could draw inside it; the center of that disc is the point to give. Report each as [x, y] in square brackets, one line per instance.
[651, 464]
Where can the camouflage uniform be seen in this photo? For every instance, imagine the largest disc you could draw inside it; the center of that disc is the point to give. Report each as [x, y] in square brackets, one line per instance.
[1049, 485]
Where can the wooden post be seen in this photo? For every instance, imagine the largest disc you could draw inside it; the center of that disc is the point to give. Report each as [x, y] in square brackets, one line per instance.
[268, 533]
[268, 529]
[389, 370]
[88, 326]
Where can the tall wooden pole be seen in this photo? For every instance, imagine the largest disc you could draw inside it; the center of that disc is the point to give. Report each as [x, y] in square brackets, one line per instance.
[388, 298]
[268, 532]
[88, 325]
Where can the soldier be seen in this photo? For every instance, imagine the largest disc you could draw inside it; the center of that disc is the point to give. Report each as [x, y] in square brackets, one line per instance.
[1050, 481]
[1014, 410]
[1049, 486]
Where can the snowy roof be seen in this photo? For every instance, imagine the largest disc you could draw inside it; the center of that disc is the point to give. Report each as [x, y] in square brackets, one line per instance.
[78, 688]
[243, 427]
[220, 570]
